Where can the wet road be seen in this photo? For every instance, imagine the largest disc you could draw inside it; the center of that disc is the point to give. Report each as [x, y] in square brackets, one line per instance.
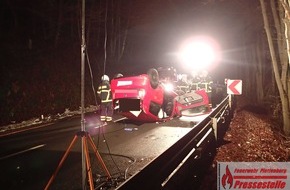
[28, 159]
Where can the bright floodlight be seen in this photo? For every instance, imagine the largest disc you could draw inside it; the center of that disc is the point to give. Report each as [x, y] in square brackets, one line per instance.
[198, 53]
[168, 87]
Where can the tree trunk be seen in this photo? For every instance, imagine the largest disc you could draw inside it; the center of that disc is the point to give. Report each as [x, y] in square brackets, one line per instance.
[286, 24]
[282, 42]
[259, 75]
[59, 23]
[285, 67]
[124, 42]
[282, 92]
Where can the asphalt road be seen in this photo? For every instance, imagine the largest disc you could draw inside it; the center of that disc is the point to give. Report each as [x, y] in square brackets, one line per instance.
[29, 158]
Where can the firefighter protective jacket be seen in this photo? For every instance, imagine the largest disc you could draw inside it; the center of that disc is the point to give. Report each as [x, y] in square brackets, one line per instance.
[104, 92]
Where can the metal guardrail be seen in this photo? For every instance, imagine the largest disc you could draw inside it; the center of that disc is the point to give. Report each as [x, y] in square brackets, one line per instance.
[182, 163]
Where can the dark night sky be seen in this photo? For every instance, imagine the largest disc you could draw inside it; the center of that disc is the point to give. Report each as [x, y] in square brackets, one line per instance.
[223, 21]
[157, 27]
[44, 75]
[156, 30]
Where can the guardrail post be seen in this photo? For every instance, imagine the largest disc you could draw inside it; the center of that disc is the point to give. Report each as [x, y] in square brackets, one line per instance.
[214, 125]
[230, 101]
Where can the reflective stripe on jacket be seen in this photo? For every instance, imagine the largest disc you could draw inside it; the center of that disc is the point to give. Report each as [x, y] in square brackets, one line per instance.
[104, 92]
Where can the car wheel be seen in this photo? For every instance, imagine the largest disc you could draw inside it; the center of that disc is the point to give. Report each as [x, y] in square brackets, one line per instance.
[169, 108]
[118, 75]
[202, 109]
[153, 77]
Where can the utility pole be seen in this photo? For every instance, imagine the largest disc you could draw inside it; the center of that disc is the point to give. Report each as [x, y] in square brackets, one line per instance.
[83, 128]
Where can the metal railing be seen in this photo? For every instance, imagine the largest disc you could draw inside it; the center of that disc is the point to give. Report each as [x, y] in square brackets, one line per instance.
[182, 163]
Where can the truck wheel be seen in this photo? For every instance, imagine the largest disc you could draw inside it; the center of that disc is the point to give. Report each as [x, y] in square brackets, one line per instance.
[153, 77]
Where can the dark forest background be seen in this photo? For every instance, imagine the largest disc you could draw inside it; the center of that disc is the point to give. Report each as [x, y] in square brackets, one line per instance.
[41, 42]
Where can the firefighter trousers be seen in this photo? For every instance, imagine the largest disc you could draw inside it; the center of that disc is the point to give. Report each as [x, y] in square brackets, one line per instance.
[106, 111]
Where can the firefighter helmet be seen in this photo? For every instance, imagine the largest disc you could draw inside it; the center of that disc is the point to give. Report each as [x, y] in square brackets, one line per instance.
[105, 78]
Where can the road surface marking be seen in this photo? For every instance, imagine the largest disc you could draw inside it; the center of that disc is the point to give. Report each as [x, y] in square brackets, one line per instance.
[21, 152]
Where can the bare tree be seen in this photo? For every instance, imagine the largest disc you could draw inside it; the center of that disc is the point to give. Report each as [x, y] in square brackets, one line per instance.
[279, 78]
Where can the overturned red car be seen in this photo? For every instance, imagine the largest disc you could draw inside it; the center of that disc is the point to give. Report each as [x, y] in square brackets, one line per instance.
[148, 99]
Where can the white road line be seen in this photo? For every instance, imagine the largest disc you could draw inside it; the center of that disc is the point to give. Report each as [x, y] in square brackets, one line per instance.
[117, 120]
[25, 129]
[21, 152]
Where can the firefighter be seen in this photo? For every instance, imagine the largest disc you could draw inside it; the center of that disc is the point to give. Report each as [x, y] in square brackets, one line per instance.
[206, 84]
[182, 83]
[104, 93]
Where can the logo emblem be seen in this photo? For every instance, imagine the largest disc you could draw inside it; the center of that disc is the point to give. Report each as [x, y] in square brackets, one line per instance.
[227, 178]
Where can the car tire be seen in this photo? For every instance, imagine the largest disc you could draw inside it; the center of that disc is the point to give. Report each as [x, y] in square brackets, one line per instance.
[153, 77]
[169, 108]
[118, 75]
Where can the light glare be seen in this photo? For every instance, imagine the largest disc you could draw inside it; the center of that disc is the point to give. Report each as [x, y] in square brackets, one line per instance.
[168, 87]
[198, 53]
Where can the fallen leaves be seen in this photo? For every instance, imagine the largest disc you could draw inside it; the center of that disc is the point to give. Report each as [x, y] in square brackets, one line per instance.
[251, 137]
